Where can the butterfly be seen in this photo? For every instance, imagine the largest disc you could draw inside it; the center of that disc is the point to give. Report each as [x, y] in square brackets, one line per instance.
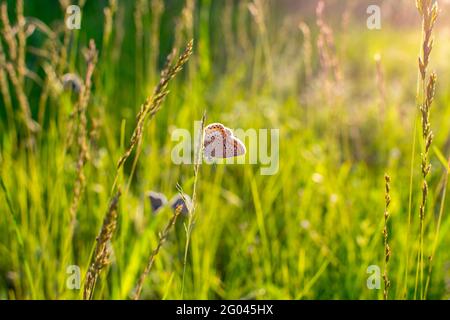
[219, 142]
[159, 200]
[71, 82]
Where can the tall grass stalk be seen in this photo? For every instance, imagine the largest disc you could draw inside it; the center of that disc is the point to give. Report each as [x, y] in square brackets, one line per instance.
[21, 43]
[139, 12]
[162, 238]
[151, 106]
[326, 46]
[257, 10]
[410, 199]
[100, 257]
[82, 138]
[387, 249]
[157, 9]
[307, 49]
[15, 65]
[428, 10]
[153, 103]
[58, 56]
[8, 33]
[191, 213]
[4, 88]
[411, 168]
[438, 228]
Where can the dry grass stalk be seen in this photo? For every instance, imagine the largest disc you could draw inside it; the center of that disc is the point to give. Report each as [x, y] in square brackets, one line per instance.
[109, 13]
[387, 249]
[326, 46]
[139, 12]
[428, 10]
[242, 36]
[227, 25]
[8, 33]
[185, 23]
[16, 50]
[30, 124]
[4, 87]
[307, 48]
[257, 9]
[191, 213]
[347, 14]
[64, 3]
[62, 59]
[162, 238]
[157, 9]
[57, 54]
[21, 43]
[153, 103]
[119, 31]
[151, 106]
[100, 258]
[82, 135]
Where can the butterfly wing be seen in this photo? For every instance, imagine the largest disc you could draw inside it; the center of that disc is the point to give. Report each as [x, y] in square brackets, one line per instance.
[157, 200]
[233, 147]
[210, 149]
[213, 137]
[219, 142]
[239, 147]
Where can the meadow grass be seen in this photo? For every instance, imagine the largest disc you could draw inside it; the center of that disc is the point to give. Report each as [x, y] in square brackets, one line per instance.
[308, 232]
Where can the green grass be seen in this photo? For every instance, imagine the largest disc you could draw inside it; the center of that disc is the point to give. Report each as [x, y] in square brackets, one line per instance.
[308, 232]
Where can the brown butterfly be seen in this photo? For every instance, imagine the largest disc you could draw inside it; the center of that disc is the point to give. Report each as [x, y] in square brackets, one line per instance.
[219, 142]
